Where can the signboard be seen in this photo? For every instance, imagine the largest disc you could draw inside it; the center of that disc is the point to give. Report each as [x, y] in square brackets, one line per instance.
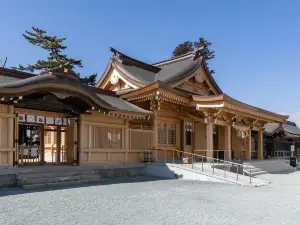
[22, 117]
[58, 121]
[34, 152]
[50, 120]
[40, 119]
[30, 118]
[65, 122]
[292, 148]
[25, 151]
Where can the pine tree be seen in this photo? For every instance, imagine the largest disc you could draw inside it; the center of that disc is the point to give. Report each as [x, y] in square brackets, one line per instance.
[55, 48]
[188, 46]
[183, 48]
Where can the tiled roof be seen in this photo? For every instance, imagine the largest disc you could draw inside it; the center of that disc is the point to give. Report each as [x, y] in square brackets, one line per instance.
[106, 99]
[122, 105]
[289, 128]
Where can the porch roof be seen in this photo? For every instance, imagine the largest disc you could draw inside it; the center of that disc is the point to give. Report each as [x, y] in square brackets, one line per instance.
[226, 103]
[14, 84]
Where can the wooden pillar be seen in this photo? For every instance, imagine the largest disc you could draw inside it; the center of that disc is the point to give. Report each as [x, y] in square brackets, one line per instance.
[16, 139]
[58, 144]
[42, 143]
[227, 143]
[260, 145]
[91, 142]
[249, 146]
[11, 136]
[75, 145]
[155, 137]
[81, 141]
[209, 137]
[126, 138]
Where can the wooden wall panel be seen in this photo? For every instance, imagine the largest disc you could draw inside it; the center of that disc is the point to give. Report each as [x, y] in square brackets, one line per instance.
[200, 133]
[117, 157]
[6, 135]
[134, 157]
[99, 156]
[85, 138]
[4, 132]
[86, 156]
[3, 158]
[141, 140]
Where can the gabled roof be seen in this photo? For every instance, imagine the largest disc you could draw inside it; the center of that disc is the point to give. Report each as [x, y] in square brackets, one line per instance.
[289, 128]
[168, 71]
[24, 84]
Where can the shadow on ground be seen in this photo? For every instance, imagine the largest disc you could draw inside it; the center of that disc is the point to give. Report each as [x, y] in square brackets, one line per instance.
[112, 181]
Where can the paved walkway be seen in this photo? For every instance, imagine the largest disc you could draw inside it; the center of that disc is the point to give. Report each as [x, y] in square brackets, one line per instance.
[150, 201]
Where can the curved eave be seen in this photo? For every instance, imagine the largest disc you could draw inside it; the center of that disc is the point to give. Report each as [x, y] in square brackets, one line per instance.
[183, 74]
[105, 74]
[224, 101]
[292, 133]
[52, 84]
[127, 78]
[211, 78]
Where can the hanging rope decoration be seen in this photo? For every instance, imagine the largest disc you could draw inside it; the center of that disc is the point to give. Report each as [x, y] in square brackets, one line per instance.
[242, 130]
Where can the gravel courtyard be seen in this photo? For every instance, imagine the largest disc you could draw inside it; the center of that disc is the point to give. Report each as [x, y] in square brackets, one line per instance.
[150, 201]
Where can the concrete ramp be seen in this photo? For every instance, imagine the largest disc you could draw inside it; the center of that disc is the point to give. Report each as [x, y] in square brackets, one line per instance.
[186, 172]
[268, 166]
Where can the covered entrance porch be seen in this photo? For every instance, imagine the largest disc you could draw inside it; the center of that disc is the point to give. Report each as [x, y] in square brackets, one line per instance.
[41, 144]
[40, 117]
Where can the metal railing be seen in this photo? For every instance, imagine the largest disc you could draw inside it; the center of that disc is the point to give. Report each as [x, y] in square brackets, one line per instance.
[203, 163]
[282, 154]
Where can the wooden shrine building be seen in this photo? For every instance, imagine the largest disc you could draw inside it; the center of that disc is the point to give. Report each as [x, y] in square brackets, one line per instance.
[135, 106]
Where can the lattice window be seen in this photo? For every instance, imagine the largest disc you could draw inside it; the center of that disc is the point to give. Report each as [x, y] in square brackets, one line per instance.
[166, 133]
[47, 137]
[107, 137]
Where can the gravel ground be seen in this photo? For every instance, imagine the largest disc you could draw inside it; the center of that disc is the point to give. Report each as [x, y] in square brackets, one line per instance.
[149, 201]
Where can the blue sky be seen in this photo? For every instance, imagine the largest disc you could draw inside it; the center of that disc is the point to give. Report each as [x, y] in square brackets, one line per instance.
[256, 42]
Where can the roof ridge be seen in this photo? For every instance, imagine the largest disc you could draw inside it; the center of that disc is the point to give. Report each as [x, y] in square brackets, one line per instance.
[125, 59]
[16, 73]
[173, 58]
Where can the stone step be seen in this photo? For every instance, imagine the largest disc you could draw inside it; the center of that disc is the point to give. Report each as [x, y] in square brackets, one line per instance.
[61, 184]
[58, 179]
[56, 173]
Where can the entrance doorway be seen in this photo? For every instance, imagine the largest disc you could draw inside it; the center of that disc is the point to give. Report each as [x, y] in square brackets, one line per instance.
[29, 144]
[55, 144]
[41, 144]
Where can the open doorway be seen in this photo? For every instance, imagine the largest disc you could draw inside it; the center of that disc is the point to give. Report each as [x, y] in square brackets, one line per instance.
[43, 144]
[29, 144]
[55, 144]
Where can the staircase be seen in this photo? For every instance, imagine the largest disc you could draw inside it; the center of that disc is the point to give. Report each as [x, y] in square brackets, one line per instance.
[54, 176]
[202, 173]
[57, 178]
[203, 168]
[268, 166]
